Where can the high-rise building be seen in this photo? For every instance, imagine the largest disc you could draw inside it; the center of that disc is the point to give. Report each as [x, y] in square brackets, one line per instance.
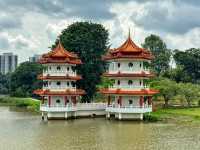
[35, 58]
[8, 62]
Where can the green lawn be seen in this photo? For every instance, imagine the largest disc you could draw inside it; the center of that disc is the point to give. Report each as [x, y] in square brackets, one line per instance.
[177, 114]
[30, 103]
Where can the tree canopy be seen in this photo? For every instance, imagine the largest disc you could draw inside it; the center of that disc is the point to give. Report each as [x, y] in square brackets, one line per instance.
[90, 42]
[24, 79]
[4, 83]
[159, 49]
[189, 91]
[190, 61]
[167, 89]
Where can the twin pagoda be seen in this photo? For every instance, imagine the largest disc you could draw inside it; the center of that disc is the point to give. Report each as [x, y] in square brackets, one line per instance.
[129, 97]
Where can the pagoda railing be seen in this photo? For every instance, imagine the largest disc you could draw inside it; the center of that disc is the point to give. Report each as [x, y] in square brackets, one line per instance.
[59, 73]
[147, 71]
[73, 107]
[60, 88]
[129, 87]
[129, 109]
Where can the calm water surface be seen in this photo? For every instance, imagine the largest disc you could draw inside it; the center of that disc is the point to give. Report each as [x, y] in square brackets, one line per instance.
[26, 131]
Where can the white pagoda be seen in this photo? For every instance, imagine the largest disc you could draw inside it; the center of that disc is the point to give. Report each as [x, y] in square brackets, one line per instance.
[129, 97]
[59, 93]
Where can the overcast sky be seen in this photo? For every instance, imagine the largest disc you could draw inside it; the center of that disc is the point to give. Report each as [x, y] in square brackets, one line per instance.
[29, 27]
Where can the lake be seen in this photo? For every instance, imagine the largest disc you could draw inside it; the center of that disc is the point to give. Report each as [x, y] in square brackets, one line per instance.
[21, 130]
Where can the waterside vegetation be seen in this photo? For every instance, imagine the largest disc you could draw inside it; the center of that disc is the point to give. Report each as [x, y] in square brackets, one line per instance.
[30, 104]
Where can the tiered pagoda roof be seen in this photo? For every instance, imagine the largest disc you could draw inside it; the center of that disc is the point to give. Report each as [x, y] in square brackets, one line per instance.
[60, 55]
[128, 92]
[66, 92]
[128, 50]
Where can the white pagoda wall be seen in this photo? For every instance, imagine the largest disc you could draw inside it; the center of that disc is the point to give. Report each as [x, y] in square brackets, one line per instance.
[124, 67]
[125, 101]
[124, 84]
[52, 85]
[52, 70]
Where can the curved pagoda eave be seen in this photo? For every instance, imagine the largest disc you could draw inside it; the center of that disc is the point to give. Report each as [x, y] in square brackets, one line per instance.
[41, 92]
[129, 92]
[50, 61]
[110, 57]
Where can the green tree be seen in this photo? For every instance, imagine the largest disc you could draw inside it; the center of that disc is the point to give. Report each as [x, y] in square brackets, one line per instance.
[167, 89]
[105, 83]
[4, 83]
[90, 42]
[189, 60]
[177, 74]
[189, 91]
[24, 79]
[159, 49]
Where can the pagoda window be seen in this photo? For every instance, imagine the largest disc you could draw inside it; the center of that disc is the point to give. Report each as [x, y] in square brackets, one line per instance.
[67, 83]
[140, 82]
[58, 67]
[67, 68]
[118, 82]
[130, 102]
[49, 82]
[73, 84]
[50, 68]
[140, 64]
[45, 84]
[130, 65]
[118, 65]
[130, 82]
[57, 101]
[58, 83]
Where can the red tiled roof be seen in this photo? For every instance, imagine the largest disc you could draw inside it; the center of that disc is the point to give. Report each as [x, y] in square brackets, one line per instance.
[128, 50]
[129, 92]
[67, 92]
[60, 55]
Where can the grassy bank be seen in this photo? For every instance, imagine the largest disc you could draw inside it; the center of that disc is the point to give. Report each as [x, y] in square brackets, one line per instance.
[178, 115]
[29, 103]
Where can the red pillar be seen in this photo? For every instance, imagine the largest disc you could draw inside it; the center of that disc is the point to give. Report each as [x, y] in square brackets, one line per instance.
[74, 100]
[65, 98]
[149, 100]
[141, 101]
[49, 98]
[120, 101]
[42, 99]
[109, 99]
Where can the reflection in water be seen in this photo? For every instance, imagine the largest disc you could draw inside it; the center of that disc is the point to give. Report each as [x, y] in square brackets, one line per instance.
[23, 130]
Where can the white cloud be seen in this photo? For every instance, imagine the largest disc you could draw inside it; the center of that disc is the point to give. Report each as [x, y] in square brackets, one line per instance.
[36, 24]
[188, 40]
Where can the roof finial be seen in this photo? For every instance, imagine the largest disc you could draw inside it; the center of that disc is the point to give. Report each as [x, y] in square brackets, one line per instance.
[129, 33]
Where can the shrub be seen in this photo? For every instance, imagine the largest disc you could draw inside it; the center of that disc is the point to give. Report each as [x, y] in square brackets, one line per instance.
[150, 118]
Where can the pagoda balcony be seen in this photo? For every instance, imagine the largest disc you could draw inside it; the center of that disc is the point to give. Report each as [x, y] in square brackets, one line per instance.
[59, 73]
[59, 88]
[129, 87]
[71, 108]
[130, 71]
[129, 109]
